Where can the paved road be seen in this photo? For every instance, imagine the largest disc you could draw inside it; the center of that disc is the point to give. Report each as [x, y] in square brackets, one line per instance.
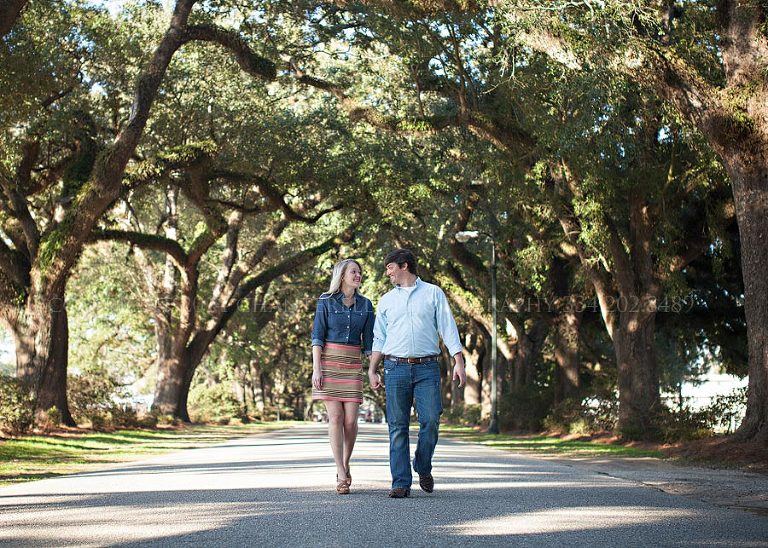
[276, 489]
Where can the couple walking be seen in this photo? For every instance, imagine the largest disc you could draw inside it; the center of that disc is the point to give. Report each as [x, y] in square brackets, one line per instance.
[404, 334]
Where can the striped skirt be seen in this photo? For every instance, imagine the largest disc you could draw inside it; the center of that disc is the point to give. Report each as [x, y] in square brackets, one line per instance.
[342, 369]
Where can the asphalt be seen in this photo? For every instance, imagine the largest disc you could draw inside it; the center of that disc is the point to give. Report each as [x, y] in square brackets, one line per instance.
[277, 489]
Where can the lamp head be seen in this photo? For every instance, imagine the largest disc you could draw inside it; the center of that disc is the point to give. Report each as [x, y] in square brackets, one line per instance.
[465, 235]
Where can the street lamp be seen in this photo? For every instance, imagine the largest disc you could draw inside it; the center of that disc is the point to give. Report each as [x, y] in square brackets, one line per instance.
[463, 237]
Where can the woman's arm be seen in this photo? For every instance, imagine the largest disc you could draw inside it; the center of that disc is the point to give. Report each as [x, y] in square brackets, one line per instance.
[370, 318]
[319, 332]
[317, 371]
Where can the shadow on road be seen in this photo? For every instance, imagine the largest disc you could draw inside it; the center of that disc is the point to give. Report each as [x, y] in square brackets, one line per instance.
[277, 490]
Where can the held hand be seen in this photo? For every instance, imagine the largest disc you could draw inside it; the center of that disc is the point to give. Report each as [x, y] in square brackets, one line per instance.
[459, 373]
[317, 378]
[374, 379]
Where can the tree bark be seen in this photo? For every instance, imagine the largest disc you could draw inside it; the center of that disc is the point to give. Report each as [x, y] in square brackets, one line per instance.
[734, 120]
[42, 336]
[566, 343]
[476, 355]
[169, 385]
[629, 311]
[10, 11]
[527, 350]
[751, 195]
[639, 402]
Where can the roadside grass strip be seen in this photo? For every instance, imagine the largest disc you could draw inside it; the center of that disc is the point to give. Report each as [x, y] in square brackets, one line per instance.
[546, 444]
[30, 458]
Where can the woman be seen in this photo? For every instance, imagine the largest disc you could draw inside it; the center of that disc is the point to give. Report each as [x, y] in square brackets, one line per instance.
[343, 327]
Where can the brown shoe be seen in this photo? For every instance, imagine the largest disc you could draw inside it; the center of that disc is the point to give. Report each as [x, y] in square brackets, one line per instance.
[399, 493]
[342, 488]
[427, 483]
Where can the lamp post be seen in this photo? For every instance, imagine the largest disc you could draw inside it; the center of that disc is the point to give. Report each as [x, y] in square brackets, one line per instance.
[463, 237]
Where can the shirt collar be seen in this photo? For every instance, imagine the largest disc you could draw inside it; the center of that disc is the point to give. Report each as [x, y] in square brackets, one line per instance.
[414, 286]
[339, 296]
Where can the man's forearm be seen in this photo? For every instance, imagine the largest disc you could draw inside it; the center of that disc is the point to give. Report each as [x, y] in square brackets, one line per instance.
[374, 361]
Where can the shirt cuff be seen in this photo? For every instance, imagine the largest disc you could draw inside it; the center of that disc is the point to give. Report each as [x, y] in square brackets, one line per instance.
[318, 342]
[455, 350]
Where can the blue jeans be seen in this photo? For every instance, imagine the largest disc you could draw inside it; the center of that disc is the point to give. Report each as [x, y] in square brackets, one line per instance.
[405, 382]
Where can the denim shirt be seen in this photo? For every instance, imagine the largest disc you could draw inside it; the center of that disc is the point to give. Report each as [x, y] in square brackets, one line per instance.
[341, 324]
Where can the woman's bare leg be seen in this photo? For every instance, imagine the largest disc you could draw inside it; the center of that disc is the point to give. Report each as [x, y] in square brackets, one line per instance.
[335, 411]
[350, 431]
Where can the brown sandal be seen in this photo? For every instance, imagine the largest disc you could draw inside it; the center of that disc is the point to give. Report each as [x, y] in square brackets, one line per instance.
[349, 478]
[342, 487]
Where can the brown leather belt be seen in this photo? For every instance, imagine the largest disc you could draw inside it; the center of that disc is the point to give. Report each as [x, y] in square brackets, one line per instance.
[423, 359]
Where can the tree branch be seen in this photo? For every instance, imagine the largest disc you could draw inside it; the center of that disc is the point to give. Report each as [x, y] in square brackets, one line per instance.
[249, 61]
[624, 274]
[14, 265]
[10, 11]
[61, 247]
[146, 241]
[20, 210]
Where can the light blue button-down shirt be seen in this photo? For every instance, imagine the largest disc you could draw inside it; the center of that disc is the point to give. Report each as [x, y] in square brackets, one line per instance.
[409, 321]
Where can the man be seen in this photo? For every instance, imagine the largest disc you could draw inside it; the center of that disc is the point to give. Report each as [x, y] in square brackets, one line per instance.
[409, 320]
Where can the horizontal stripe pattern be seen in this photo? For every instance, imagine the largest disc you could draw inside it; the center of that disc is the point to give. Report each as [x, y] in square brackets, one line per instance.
[342, 369]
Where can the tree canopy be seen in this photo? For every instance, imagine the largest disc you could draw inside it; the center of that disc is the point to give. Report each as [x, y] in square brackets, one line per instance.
[177, 181]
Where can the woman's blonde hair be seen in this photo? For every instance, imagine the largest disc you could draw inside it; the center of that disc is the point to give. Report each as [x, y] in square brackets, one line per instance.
[338, 273]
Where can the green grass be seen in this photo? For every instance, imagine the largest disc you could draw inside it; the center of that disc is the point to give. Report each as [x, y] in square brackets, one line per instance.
[546, 444]
[31, 458]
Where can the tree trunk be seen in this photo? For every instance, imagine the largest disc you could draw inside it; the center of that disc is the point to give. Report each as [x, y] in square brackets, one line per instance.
[566, 343]
[171, 376]
[10, 11]
[240, 387]
[638, 378]
[751, 196]
[485, 379]
[258, 391]
[42, 348]
[474, 354]
[528, 349]
[182, 409]
[734, 121]
[447, 391]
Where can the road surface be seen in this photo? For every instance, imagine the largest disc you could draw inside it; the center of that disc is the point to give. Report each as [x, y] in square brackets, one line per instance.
[277, 489]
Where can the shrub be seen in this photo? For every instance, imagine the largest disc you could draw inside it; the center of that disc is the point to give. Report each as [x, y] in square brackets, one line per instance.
[51, 420]
[165, 420]
[472, 414]
[122, 415]
[523, 409]
[214, 404]
[464, 414]
[16, 406]
[587, 416]
[726, 410]
[688, 424]
[563, 414]
[91, 397]
[683, 424]
[147, 421]
[453, 413]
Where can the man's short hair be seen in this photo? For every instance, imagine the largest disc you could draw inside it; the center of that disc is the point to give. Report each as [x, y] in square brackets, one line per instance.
[400, 257]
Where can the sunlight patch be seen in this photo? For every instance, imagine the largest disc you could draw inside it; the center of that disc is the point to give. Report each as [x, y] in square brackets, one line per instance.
[567, 519]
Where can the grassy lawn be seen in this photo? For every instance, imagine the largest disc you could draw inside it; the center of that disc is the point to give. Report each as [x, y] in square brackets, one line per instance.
[31, 458]
[546, 444]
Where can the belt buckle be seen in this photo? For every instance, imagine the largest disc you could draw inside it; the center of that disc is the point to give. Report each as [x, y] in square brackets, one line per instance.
[414, 360]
